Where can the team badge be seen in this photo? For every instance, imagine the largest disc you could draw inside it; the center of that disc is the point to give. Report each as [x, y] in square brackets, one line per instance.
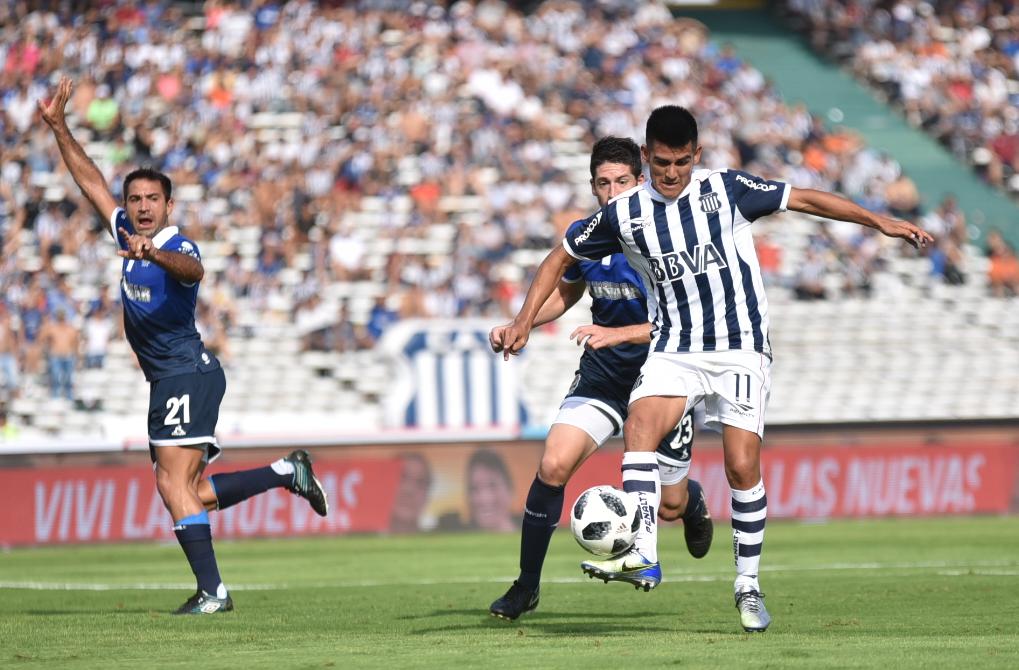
[710, 203]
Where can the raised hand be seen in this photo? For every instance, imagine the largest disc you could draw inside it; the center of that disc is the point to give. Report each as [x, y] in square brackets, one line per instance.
[139, 247]
[53, 113]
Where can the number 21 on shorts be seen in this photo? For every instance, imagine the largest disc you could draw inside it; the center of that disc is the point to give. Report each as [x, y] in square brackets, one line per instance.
[175, 406]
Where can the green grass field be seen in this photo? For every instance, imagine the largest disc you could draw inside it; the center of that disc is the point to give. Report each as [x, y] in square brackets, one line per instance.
[899, 593]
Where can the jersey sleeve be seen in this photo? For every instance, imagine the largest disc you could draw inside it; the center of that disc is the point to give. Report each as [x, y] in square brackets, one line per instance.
[756, 197]
[593, 238]
[183, 245]
[119, 220]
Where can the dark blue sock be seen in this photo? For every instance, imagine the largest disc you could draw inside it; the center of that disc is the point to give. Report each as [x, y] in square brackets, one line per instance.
[694, 501]
[541, 515]
[234, 487]
[195, 537]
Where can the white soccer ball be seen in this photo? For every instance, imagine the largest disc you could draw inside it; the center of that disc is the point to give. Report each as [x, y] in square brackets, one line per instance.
[605, 520]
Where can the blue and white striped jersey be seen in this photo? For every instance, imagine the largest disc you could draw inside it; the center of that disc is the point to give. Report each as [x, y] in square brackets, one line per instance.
[695, 255]
[159, 311]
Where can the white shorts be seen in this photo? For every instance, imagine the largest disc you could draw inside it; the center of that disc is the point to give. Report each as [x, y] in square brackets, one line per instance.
[601, 422]
[734, 385]
[594, 417]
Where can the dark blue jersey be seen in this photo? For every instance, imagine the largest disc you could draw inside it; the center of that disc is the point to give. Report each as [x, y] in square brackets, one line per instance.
[159, 311]
[618, 299]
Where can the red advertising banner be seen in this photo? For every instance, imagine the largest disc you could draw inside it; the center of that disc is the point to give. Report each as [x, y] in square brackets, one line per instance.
[871, 481]
[453, 487]
[69, 505]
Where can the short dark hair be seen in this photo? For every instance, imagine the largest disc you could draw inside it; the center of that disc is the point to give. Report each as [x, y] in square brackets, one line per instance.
[150, 174]
[620, 150]
[671, 125]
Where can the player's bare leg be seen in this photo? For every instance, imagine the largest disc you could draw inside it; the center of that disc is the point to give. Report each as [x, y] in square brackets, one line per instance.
[178, 471]
[749, 512]
[650, 420]
[566, 448]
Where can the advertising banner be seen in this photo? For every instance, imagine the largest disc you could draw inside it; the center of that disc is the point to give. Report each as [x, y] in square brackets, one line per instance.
[70, 505]
[405, 489]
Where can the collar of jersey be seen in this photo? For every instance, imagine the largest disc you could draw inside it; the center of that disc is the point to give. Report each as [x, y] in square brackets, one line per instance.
[163, 236]
[695, 178]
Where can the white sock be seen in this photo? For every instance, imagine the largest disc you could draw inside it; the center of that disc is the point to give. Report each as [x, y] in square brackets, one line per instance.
[641, 480]
[282, 467]
[749, 512]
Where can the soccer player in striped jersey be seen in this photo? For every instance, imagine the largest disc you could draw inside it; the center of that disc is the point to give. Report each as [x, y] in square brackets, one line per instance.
[159, 290]
[688, 234]
[595, 407]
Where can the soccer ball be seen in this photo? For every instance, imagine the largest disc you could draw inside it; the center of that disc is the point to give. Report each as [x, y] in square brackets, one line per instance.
[605, 520]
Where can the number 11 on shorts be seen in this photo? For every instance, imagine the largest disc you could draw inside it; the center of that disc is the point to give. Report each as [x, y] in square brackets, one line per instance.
[739, 379]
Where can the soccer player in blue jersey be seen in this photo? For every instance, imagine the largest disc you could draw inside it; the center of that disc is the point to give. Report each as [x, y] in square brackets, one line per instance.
[159, 289]
[688, 235]
[595, 407]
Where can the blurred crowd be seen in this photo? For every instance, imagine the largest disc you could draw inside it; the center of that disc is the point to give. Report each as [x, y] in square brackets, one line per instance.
[951, 66]
[285, 120]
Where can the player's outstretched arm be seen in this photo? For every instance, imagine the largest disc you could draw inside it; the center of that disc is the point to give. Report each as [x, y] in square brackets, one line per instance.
[511, 338]
[182, 267]
[599, 337]
[85, 173]
[831, 206]
[562, 299]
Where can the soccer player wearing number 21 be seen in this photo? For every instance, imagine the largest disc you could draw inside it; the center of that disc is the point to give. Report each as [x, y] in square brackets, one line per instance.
[159, 289]
[688, 235]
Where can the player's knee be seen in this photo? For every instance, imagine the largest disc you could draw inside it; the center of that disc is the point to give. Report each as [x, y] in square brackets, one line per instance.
[555, 470]
[743, 473]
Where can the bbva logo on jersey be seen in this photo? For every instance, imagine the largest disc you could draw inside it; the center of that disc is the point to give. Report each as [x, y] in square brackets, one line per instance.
[669, 267]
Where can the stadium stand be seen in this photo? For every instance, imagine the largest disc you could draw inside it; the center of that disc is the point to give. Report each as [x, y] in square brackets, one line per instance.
[418, 163]
[951, 67]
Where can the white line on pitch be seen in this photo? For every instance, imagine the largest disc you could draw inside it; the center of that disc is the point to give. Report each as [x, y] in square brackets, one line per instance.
[944, 568]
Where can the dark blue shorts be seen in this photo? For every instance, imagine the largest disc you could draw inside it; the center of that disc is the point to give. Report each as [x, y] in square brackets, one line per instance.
[184, 410]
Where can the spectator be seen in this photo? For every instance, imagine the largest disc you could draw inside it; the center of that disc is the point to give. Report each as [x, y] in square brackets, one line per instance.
[60, 341]
[809, 281]
[10, 344]
[380, 318]
[97, 332]
[1003, 273]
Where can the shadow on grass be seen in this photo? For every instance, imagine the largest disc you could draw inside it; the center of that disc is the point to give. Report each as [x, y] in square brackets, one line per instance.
[555, 624]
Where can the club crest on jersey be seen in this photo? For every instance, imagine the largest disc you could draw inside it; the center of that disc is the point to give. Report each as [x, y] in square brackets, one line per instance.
[670, 267]
[710, 203]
